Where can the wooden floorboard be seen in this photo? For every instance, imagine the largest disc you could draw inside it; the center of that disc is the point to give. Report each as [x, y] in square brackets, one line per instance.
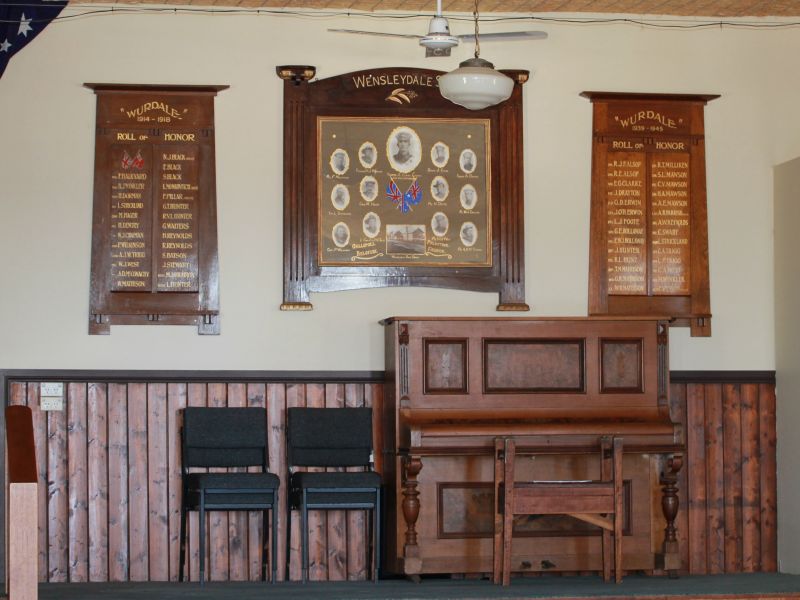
[765, 586]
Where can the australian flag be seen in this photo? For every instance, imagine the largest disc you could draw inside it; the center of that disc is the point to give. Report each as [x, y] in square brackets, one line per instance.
[21, 21]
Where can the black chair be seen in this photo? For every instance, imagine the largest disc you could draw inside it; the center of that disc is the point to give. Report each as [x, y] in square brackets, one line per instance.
[332, 437]
[226, 437]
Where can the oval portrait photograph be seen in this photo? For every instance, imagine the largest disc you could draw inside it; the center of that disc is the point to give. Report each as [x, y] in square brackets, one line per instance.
[340, 196]
[371, 224]
[468, 197]
[440, 154]
[439, 188]
[341, 234]
[403, 149]
[369, 188]
[467, 161]
[340, 161]
[468, 234]
[367, 155]
[439, 224]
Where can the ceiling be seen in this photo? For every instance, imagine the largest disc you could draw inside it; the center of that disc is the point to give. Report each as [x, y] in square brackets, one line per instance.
[695, 8]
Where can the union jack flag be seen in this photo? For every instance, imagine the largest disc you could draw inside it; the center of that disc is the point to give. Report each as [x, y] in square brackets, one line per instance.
[21, 21]
[393, 193]
[404, 202]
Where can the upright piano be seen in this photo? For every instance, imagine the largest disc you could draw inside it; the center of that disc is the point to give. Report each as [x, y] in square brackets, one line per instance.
[557, 385]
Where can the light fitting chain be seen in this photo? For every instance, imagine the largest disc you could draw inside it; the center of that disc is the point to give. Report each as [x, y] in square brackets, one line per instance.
[477, 41]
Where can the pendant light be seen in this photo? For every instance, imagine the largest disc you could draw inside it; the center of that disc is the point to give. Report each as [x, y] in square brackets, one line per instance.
[475, 84]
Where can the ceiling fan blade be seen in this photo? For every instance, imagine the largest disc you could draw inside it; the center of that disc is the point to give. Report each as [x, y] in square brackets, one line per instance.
[380, 33]
[429, 52]
[505, 36]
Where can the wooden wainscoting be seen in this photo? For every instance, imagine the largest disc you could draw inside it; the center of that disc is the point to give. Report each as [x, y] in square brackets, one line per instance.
[109, 471]
[728, 481]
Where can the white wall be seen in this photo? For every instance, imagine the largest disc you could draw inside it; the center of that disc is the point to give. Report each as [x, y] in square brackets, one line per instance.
[46, 164]
[787, 299]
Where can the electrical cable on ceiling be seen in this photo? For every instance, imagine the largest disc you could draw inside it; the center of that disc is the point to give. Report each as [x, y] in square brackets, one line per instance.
[668, 23]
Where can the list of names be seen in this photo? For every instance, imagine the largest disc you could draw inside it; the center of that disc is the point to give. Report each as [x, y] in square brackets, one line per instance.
[626, 204]
[177, 234]
[669, 192]
[130, 219]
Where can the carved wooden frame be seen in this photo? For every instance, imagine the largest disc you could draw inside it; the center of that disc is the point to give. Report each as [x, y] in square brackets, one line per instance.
[372, 93]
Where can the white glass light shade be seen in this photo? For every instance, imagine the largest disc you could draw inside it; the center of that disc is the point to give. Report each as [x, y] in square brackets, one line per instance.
[475, 85]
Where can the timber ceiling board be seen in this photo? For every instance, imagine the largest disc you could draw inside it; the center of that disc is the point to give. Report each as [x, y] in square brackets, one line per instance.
[694, 8]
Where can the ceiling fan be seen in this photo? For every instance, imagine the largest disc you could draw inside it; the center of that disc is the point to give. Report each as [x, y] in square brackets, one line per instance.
[438, 41]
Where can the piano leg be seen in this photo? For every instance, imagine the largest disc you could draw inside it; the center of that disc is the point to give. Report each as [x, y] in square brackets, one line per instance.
[412, 563]
[670, 559]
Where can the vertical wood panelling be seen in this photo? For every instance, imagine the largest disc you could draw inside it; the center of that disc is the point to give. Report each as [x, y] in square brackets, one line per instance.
[356, 532]
[217, 565]
[237, 520]
[118, 482]
[158, 534]
[109, 464]
[276, 434]
[732, 457]
[696, 475]
[751, 498]
[256, 398]
[77, 483]
[176, 400]
[137, 482]
[337, 520]
[317, 519]
[197, 392]
[57, 499]
[97, 417]
[769, 472]
[715, 481]
[731, 470]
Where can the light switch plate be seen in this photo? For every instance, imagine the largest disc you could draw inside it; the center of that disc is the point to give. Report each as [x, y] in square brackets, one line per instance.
[51, 389]
[51, 403]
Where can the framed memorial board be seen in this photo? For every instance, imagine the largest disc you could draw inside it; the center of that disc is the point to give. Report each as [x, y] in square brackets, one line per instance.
[386, 183]
[649, 225]
[154, 235]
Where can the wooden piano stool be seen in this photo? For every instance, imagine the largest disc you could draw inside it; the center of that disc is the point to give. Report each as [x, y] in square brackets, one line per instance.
[595, 502]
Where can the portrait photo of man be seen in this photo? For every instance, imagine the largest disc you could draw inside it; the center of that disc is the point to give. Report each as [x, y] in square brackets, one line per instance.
[439, 224]
[468, 234]
[340, 161]
[468, 197]
[341, 234]
[340, 196]
[371, 224]
[467, 161]
[369, 188]
[439, 188]
[440, 154]
[403, 149]
[367, 155]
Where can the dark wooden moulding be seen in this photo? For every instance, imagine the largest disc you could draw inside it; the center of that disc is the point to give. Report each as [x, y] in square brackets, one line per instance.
[639, 142]
[557, 385]
[165, 137]
[342, 96]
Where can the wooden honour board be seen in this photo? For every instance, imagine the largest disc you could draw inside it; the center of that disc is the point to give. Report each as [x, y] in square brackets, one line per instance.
[649, 225]
[154, 235]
